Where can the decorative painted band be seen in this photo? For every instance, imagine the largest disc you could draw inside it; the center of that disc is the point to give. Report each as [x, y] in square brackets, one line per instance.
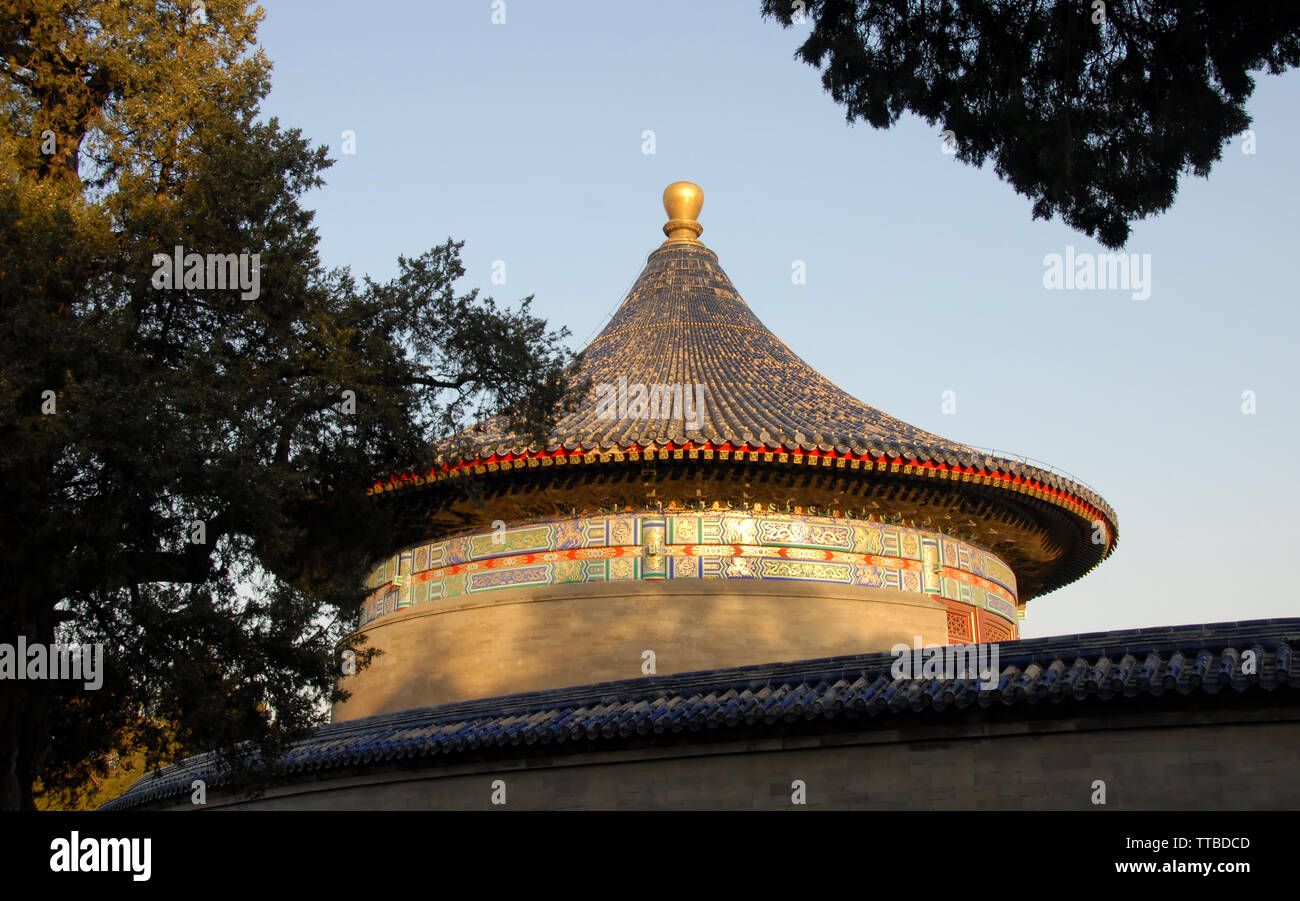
[693, 545]
[1103, 521]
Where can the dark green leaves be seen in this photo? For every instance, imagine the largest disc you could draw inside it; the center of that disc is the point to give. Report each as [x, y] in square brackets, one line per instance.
[1091, 110]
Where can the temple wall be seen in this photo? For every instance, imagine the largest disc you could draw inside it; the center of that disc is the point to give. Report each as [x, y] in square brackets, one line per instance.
[1147, 761]
[527, 639]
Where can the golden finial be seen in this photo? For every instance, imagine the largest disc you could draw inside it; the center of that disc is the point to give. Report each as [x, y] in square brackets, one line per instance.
[682, 202]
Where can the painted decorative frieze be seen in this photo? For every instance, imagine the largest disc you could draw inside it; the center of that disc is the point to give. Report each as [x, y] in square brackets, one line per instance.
[694, 545]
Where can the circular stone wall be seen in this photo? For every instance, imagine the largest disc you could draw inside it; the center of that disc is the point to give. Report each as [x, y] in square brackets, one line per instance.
[547, 604]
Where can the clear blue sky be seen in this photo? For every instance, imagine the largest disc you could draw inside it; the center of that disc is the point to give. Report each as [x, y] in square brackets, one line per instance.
[924, 275]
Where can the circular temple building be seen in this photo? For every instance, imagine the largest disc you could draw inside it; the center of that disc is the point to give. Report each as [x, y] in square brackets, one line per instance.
[713, 502]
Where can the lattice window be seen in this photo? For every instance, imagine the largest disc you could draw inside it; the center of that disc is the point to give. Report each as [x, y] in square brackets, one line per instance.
[959, 628]
[995, 631]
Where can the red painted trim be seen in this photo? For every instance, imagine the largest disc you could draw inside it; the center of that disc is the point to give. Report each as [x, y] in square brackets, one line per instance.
[1080, 506]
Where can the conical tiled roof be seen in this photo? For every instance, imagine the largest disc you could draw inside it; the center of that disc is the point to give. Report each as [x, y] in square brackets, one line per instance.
[685, 324]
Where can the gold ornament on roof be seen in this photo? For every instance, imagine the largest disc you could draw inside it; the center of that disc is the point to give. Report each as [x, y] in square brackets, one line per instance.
[682, 202]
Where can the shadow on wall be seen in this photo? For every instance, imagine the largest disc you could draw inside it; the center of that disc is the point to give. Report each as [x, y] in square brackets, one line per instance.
[529, 639]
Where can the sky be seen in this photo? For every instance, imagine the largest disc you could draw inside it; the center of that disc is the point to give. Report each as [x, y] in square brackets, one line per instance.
[923, 275]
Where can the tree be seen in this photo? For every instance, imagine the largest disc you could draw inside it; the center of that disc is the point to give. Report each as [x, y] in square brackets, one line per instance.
[184, 455]
[1091, 109]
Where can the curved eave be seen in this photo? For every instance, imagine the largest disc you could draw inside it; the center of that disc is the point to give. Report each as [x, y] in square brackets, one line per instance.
[1000, 474]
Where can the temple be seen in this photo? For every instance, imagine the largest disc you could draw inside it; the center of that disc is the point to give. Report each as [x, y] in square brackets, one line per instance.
[714, 501]
[687, 596]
